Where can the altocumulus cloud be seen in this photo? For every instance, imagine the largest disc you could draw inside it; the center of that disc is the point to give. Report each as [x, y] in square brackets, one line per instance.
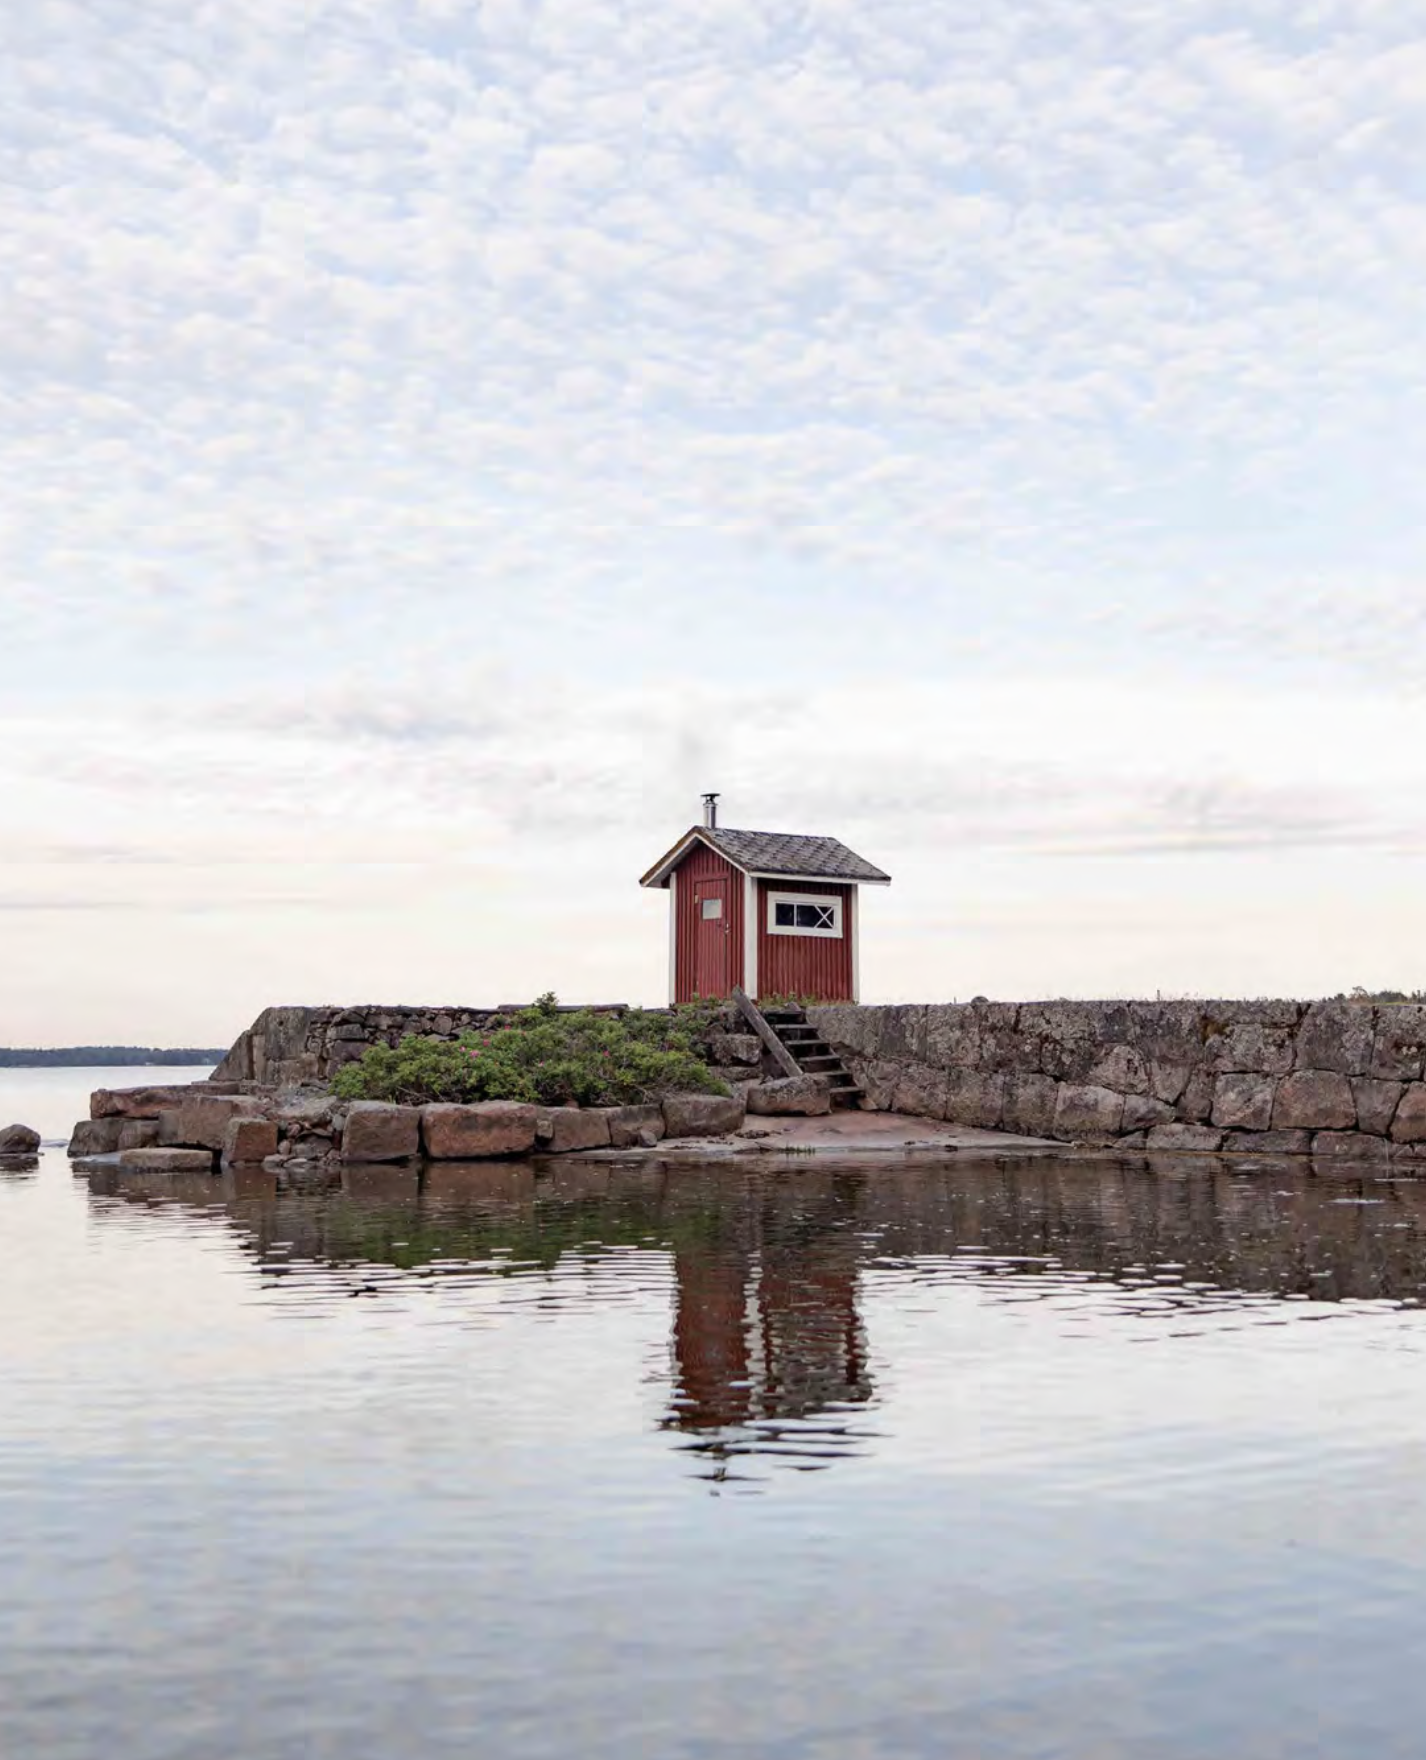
[462, 427]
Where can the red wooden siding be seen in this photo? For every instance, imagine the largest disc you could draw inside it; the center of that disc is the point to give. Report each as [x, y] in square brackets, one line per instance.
[805, 965]
[702, 864]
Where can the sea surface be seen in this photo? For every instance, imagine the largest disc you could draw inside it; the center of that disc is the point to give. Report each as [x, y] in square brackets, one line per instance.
[804, 1460]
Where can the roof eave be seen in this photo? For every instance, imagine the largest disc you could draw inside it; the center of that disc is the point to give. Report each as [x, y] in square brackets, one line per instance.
[822, 879]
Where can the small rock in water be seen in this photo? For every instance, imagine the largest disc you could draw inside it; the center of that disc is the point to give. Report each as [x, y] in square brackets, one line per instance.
[19, 1139]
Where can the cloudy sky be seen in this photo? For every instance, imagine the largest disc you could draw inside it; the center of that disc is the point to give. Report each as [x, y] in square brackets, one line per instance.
[438, 438]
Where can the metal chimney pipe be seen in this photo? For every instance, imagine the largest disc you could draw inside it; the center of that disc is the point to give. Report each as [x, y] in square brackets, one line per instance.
[710, 811]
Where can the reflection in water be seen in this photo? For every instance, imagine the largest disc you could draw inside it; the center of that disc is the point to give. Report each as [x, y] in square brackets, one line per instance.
[769, 1354]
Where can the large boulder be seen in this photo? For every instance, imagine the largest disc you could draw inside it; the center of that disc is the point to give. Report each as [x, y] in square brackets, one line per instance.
[475, 1133]
[141, 1102]
[98, 1136]
[797, 1096]
[19, 1139]
[741, 1048]
[248, 1141]
[376, 1131]
[167, 1160]
[1409, 1125]
[702, 1115]
[635, 1127]
[560, 1130]
[201, 1123]
[1314, 1100]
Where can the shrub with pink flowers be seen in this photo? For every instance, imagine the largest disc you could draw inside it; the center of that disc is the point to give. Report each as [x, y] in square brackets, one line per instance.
[545, 1055]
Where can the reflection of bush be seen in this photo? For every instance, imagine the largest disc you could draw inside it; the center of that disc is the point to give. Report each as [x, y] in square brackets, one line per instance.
[545, 1056]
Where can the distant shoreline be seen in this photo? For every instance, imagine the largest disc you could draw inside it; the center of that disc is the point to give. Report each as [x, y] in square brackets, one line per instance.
[105, 1056]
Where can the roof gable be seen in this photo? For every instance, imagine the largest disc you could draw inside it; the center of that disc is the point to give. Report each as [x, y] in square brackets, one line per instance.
[774, 854]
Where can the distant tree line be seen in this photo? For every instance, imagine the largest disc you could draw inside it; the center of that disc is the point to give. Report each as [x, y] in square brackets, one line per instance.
[1358, 994]
[97, 1056]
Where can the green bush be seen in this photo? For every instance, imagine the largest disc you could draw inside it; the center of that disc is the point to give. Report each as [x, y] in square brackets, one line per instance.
[547, 1058]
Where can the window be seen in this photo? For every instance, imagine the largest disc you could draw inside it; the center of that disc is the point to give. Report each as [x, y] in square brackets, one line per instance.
[712, 907]
[800, 913]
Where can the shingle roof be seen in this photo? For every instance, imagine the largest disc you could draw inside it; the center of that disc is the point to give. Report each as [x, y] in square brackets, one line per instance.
[779, 852]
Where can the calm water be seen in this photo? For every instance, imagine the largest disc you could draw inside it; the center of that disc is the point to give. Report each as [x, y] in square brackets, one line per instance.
[815, 1460]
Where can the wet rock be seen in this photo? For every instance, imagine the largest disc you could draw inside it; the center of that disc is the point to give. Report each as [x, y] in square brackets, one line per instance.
[1186, 1139]
[1087, 1111]
[167, 1160]
[98, 1136]
[1409, 1125]
[1349, 1146]
[201, 1123]
[474, 1133]
[977, 1097]
[702, 1115]
[138, 1133]
[1269, 1142]
[1376, 1103]
[376, 1131]
[793, 1096]
[635, 1126]
[1314, 1100]
[248, 1141]
[560, 1130]
[19, 1139]
[1244, 1102]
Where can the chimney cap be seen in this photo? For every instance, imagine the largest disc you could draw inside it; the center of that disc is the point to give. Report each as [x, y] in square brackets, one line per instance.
[710, 811]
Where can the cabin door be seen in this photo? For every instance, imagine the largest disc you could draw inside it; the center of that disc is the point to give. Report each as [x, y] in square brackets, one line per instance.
[712, 939]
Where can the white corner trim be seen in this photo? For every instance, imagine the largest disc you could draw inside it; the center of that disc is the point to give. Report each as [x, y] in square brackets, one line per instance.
[673, 939]
[854, 902]
[828, 901]
[750, 936]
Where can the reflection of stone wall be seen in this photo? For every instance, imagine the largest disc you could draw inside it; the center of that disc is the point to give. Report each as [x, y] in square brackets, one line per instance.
[1291, 1078]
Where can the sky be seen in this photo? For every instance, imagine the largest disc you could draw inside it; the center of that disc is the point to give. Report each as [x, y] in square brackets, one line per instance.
[441, 438]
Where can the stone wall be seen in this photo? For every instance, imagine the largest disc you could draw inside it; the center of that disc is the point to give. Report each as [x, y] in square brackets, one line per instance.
[286, 1046]
[1293, 1078]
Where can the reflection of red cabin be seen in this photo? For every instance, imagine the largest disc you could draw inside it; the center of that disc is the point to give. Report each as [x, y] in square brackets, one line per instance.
[778, 915]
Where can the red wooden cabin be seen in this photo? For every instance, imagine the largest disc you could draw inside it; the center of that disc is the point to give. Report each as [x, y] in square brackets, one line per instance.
[777, 914]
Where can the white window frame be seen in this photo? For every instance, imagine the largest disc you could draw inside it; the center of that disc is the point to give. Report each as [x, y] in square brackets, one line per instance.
[827, 900]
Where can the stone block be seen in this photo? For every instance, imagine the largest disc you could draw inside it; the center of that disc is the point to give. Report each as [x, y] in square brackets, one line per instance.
[1168, 1080]
[848, 1026]
[201, 1123]
[1195, 1104]
[1121, 1068]
[1082, 1111]
[139, 1102]
[1166, 1032]
[249, 1141]
[702, 1115]
[877, 1078]
[903, 1032]
[1314, 1100]
[1185, 1139]
[1399, 1043]
[476, 1133]
[744, 1048]
[1250, 1046]
[560, 1130]
[96, 1136]
[167, 1160]
[794, 1096]
[1142, 1112]
[1244, 1102]
[1337, 1036]
[1029, 1104]
[920, 1090]
[19, 1139]
[1349, 1146]
[631, 1127]
[952, 1035]
[375, 1131]
[1377, 1102]
[1269, 1142]
[998, 1029]
[138, 1133]
[1409, 1125]
[977, 1097]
